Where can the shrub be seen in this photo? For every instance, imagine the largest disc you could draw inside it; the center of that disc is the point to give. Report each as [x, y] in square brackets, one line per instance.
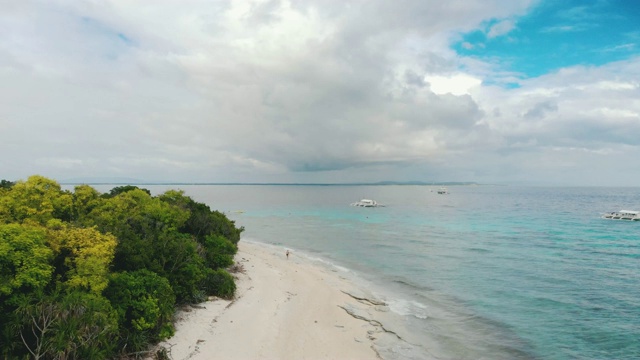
[220, 283]
[219, 251]
[75, 325]
[144, 302]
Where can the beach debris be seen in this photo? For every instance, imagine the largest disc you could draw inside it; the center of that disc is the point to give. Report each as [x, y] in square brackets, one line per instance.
[363, 315]
[162, 353]
[383, 340]
[364, 299]
[237, 268]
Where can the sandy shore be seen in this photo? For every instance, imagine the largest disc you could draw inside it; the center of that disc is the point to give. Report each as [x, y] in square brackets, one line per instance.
[284, 309]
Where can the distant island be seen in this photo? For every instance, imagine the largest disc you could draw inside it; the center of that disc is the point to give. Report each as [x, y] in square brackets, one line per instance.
[126, 181]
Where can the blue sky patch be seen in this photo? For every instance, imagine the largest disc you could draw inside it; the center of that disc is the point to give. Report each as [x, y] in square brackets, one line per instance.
[558, 34]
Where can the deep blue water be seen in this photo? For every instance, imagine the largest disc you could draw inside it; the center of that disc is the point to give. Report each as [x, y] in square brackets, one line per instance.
[485, 272]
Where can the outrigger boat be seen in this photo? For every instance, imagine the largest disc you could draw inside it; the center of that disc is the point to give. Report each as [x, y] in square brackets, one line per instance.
[366, 203]
[631, 215]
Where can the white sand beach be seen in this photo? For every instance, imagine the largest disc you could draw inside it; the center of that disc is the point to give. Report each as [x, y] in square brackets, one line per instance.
[285, 308]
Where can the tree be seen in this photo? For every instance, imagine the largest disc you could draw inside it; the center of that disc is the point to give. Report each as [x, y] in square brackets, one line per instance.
[147, 229]
[66, 325]
[24, 259]
[144, 303]
[6, 184]
[218, 251]
[25, 273]
[202, 220]
[220, 283]
[85, 275]
[85, 199]
[67, 318]
[36, 200]
[83, 256]
[122, 189]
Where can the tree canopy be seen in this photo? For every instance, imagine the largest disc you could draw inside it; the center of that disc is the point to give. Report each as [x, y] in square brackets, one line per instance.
[91, 275]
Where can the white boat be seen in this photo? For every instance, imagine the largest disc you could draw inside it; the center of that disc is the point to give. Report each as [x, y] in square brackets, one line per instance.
[443, 190]
[366, 203]
[623, 215]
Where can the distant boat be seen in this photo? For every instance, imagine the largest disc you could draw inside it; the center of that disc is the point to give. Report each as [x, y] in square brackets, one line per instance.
[443, 190]
[366, 203]
[623, 215]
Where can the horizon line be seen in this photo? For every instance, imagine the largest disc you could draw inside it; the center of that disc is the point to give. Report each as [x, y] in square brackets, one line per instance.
[379, 183]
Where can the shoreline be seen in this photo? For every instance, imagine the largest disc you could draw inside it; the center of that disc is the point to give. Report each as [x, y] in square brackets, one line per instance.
[285, 308]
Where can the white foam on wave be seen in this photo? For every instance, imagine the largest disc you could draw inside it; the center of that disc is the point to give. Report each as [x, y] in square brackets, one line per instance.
[408, 308]
[329, 264]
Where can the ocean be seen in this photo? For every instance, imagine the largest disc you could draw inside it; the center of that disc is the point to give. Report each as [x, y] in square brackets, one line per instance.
[484, 272]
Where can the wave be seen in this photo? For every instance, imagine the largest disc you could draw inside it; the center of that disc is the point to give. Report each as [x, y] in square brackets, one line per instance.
[408, 308]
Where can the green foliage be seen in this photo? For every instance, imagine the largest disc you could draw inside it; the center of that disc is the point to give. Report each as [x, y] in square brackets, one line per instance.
[88, 323]
[36, 200]
[6, 184]
[149, 239]
[136, 214]
[181, 265]
[85, 255]
[144, 302]
[71, 325]
[123, 189]
[219, 251]
[87, 276]
[25, 272]
[220, 283]
[24, 259]
[61, 325]
[85, 199]
[225, 227]
[202, 221]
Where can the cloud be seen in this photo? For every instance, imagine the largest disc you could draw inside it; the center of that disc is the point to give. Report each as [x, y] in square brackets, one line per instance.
[458, 84]
[582, 12]
[64, 163]
[290, 90]
[563, 28]
[540, 109]
[412, 78]
[621, 47]
[501, 28]
[589, 108]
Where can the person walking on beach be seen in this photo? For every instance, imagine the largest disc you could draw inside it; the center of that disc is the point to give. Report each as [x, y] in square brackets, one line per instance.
[287, 254]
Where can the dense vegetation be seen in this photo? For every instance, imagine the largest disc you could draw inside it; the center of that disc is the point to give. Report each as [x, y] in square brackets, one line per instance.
[85, 275]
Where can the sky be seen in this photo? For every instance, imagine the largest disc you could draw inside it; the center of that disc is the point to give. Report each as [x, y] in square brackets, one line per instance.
[539, 92]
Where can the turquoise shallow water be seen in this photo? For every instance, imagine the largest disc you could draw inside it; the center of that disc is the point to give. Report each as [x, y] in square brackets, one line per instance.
[485, 272]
